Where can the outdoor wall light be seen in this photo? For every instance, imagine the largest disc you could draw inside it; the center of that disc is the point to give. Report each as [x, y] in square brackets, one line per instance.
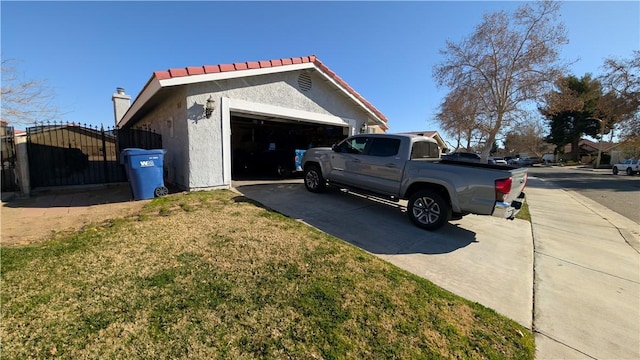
[210, 107]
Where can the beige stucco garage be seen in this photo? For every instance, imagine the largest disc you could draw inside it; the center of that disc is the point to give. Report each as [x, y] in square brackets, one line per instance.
[253, 107]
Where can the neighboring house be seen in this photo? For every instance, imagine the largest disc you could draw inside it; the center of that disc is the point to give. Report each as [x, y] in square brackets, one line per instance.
[213, 118]
[434, 135]
[72, 136]
[6, 133]
[8, 175]
[588, 150]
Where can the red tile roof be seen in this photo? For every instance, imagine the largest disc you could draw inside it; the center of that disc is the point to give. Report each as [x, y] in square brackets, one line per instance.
[208, 69]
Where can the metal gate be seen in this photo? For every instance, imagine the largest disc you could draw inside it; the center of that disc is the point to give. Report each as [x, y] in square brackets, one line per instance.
[9, 178]
[72, 154]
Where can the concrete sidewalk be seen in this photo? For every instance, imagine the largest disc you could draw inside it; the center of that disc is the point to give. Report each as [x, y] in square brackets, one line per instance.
[587, 277]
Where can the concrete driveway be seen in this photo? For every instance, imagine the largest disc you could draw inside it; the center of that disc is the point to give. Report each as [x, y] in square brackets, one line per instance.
[484, 259]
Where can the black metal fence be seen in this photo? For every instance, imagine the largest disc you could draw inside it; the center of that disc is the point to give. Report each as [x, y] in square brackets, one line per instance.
[74, 154]
[138, 138]
[9, 177]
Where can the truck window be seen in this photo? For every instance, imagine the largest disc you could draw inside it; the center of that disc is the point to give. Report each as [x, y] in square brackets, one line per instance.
[425, 150]
[353, 145]
[384, 147]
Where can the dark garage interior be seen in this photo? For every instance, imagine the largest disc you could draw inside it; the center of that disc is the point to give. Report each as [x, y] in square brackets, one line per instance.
[266, 148]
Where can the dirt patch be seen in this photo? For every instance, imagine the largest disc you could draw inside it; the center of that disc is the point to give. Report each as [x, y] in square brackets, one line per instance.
[38, 217]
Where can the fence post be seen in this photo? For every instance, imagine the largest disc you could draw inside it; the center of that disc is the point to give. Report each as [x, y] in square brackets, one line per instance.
[22, 165]
[104, 154]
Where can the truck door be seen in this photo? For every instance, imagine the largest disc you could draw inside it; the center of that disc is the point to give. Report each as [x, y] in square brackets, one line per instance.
[346, 160]
[381, 167]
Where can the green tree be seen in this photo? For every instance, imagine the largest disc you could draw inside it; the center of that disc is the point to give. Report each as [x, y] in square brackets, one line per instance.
[571, 109]
[494, 148]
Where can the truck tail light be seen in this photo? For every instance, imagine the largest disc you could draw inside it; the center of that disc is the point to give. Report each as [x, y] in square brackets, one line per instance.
[503, 187]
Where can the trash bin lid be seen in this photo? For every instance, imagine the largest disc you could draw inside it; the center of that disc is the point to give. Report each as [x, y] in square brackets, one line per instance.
[124, 154]
[136, 151]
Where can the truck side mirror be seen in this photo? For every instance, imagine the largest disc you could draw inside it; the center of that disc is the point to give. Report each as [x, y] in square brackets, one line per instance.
[335, 148]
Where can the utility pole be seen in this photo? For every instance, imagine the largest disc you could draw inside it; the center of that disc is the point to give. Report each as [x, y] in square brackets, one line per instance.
[600, 142]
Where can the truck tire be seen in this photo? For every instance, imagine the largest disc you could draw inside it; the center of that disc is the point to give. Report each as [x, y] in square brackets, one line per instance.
[283, 171]
[428, 210]
[629, 171]
[313, 179]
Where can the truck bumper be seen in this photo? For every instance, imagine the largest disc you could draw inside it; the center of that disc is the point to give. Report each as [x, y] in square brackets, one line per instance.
[508, 210]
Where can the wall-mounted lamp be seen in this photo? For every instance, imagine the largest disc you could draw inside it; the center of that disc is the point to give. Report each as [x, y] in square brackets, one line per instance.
[210, 107]
[363, 129]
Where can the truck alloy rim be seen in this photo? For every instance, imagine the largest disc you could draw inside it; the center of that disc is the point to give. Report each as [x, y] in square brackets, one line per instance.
[426, 210]
[312, 179]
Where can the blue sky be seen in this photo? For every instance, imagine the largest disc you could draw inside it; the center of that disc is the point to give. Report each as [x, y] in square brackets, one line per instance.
[385, 50]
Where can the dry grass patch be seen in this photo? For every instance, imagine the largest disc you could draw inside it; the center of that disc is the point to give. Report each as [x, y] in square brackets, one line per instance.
[213, 275]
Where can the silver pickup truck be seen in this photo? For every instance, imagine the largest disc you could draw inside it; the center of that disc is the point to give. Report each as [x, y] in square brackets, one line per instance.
[408, 167]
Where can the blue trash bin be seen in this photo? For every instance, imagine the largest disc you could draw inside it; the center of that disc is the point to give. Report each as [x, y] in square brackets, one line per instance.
[144, 171]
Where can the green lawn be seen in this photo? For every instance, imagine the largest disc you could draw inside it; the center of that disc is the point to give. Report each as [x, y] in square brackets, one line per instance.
[213, 275]
[524, 213]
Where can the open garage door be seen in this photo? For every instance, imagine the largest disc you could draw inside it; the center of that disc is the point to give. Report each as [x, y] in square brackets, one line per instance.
[265, 148]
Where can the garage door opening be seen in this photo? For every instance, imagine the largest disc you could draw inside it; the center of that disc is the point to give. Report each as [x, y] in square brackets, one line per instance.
[267, 148]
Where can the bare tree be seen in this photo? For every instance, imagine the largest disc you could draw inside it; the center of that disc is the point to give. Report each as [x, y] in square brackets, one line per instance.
[621, 103]
[457, 117]
[509, 61]
[528, 138]
[25, 101]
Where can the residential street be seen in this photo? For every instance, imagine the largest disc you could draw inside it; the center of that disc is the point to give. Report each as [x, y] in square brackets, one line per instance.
[620, 193]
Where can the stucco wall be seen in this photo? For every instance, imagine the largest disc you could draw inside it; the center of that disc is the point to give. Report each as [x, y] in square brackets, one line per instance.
[282, 89]
[205, 135]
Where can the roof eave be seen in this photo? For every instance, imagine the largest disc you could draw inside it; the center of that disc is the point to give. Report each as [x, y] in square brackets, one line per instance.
[178, 77]
[148, 91]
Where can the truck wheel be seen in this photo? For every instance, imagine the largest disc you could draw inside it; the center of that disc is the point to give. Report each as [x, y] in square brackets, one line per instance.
[313, 179]
[629, 171]
[282, 171]
[615, 170]
[428, 210]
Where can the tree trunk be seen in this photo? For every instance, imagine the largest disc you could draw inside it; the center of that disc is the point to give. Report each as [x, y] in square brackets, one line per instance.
[575, 150]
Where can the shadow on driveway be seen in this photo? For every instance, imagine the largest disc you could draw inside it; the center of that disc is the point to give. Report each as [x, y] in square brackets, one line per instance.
[379, 227]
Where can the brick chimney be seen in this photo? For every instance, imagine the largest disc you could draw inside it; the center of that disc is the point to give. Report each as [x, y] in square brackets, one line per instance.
[121, 103]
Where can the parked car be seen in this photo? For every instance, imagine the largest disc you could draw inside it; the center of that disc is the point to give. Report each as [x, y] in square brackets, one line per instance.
[523, 161]
[629, 166]
[497, 161]
[462, 156]
[548, 158]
